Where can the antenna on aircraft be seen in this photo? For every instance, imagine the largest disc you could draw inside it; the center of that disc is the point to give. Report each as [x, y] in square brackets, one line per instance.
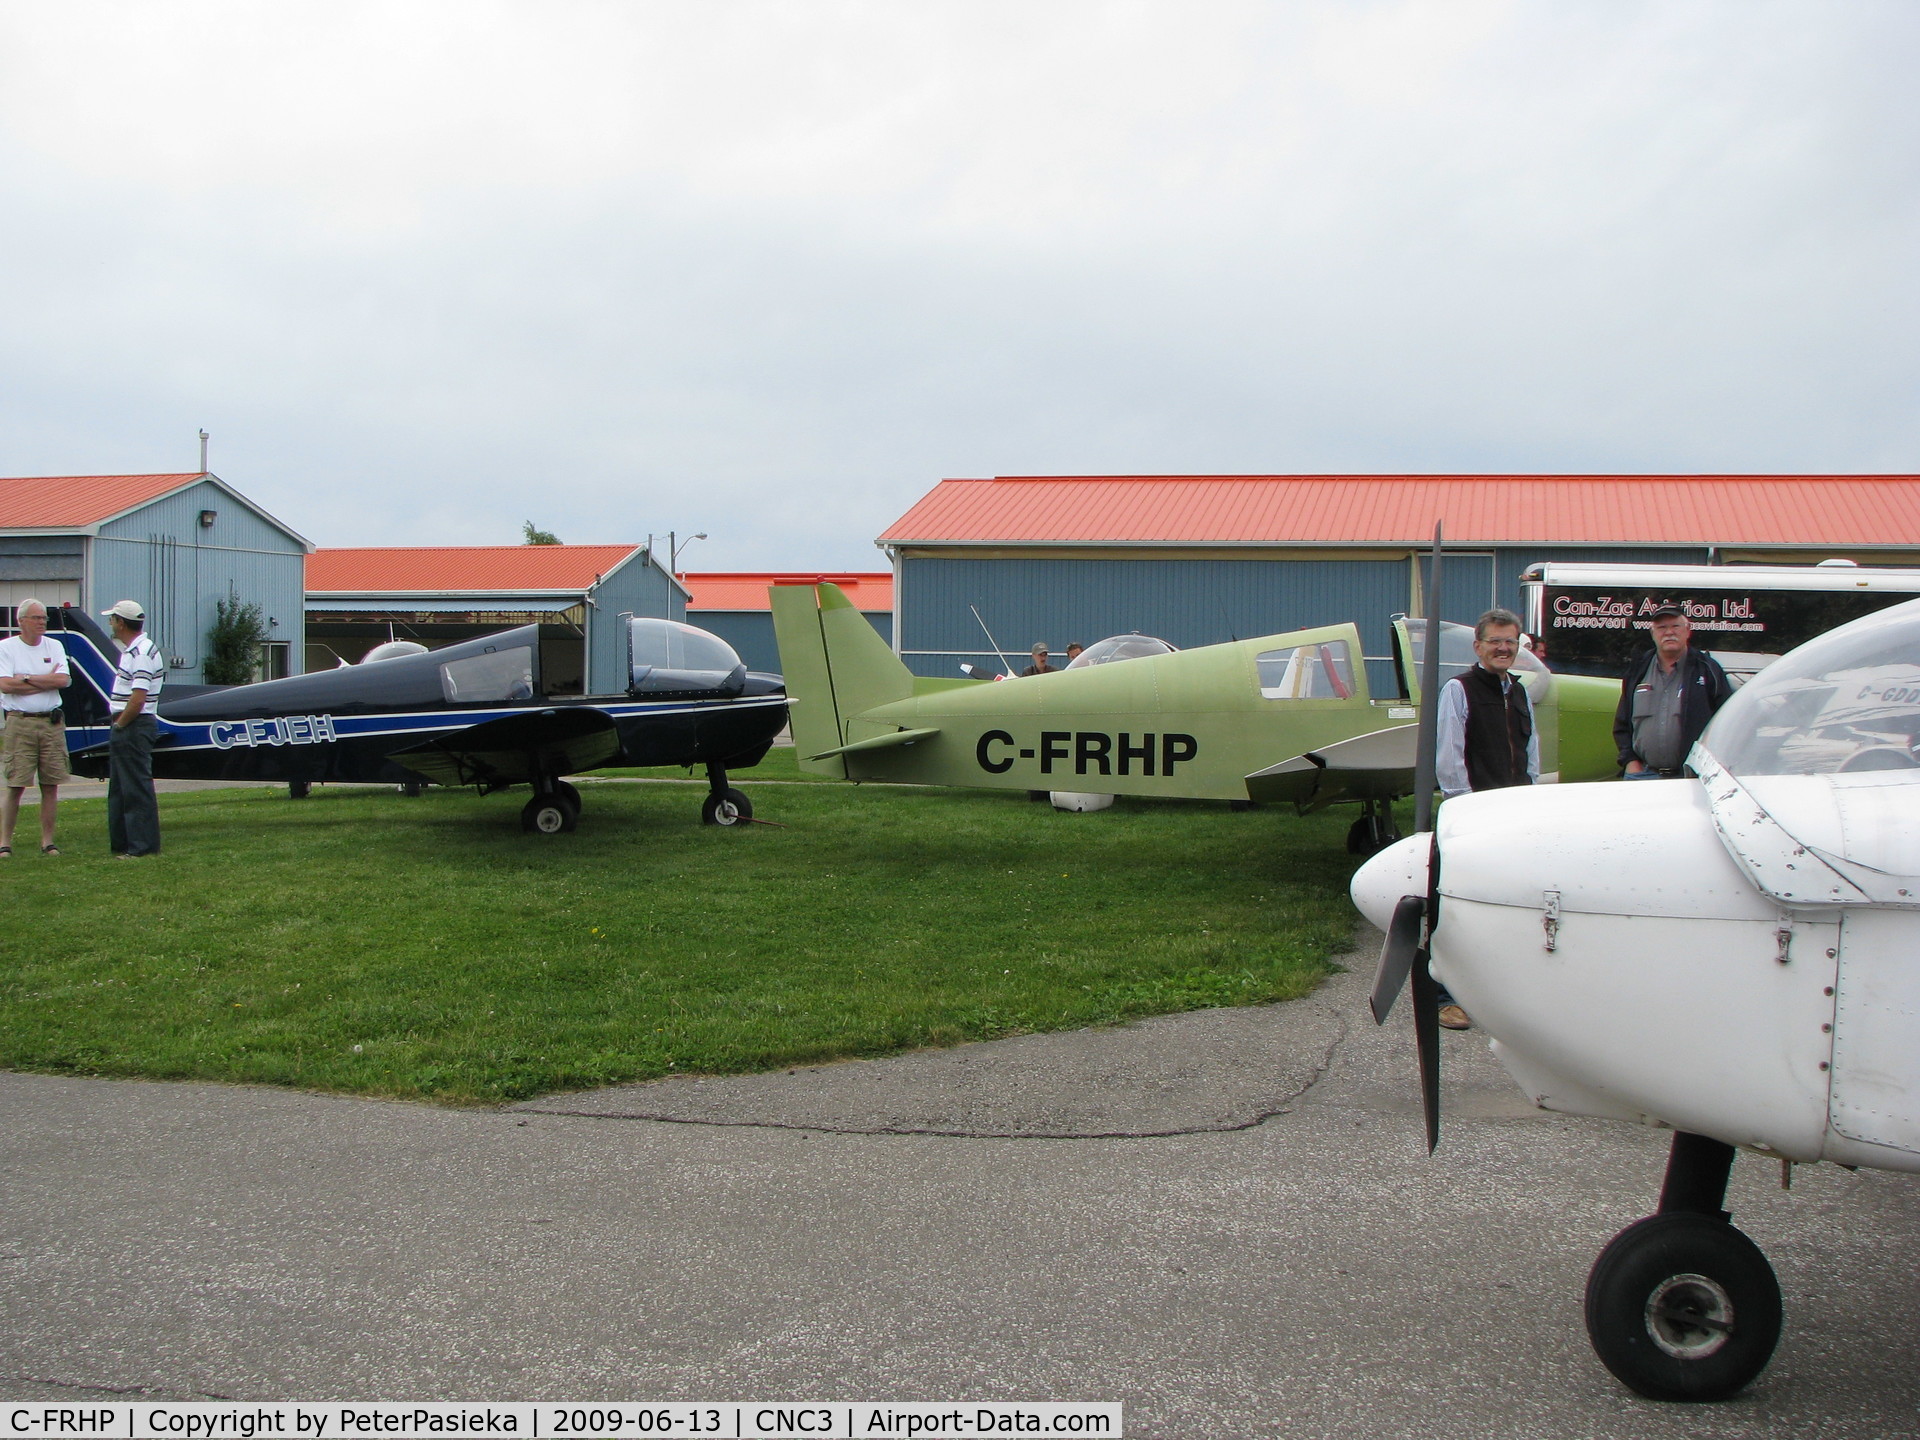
[1008, 664]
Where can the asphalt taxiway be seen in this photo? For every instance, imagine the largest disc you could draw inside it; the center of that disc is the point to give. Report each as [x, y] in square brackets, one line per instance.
[1225, 1219]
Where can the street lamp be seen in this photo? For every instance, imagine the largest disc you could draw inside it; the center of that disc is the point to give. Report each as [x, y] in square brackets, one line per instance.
[674, 546]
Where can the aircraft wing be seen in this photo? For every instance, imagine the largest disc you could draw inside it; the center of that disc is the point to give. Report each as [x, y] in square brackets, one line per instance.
[1374, 766]
[507, 751]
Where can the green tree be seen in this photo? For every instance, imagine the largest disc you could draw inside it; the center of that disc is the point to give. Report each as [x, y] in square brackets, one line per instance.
[537, 536]
[233, 644]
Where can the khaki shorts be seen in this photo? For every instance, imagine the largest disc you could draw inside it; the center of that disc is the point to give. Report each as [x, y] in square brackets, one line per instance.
[35, 744]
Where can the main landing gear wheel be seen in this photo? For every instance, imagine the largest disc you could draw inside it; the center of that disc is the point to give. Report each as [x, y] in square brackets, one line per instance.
[1682, 1306]
[549, 814]
[299, 789]
[1373, 831]
[726, 807]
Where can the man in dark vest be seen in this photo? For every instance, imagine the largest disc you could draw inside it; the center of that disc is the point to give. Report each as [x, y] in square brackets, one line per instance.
[1666, 700]
[1486, 739]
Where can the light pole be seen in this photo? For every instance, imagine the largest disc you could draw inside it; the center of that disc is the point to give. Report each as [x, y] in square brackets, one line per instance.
[675, 546]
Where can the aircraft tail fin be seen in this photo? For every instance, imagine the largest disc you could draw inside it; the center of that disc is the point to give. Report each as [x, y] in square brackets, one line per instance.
[92, 659]
[836, 666]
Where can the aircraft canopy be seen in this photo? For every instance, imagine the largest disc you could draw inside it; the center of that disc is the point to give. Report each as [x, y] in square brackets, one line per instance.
[667, 657]
[1813, 767]
[1119, 647]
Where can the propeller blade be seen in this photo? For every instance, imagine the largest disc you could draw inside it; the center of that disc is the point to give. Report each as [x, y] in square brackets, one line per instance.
[1426, 992]
[1423, 765]
[1426, 1032]
[1397, 955]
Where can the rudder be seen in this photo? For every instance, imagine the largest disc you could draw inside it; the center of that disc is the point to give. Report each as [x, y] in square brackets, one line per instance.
[836, 667]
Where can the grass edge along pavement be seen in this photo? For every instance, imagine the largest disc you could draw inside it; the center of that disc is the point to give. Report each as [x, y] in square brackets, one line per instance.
[360, 942]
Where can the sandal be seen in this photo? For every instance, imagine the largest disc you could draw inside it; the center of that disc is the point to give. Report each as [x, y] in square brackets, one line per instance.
[6, 852]
[49, 849]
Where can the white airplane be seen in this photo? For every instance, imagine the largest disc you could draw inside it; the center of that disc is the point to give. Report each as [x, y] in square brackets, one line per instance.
[1755, 935]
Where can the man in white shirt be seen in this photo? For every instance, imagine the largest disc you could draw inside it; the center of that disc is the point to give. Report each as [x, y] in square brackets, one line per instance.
[33, 672]
[133, 810]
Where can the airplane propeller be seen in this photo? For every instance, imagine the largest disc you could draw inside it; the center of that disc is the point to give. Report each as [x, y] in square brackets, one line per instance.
[1407, 952]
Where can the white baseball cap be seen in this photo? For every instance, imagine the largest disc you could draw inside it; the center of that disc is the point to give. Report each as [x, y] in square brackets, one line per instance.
[126, 610]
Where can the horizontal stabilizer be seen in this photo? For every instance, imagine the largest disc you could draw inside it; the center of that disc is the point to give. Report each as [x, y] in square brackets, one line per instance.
[509, 751]
[1377, 765]
[877, 742]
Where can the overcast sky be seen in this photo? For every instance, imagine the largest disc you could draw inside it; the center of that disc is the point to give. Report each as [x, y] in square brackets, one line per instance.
[770, 271]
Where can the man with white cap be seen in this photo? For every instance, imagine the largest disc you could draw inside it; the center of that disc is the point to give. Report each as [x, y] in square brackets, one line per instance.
[33, 672]
[133, 811]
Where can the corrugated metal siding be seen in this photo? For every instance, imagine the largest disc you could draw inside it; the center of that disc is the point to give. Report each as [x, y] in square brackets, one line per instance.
[160, 556]
[1185, 602]
[750, 632]
[27, 558]
[640, 587]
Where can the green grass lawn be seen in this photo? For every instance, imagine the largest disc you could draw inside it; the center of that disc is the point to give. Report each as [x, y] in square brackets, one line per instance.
[359, 941]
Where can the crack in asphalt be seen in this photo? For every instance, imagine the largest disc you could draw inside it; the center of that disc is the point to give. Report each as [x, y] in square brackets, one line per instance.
[1283, 1107]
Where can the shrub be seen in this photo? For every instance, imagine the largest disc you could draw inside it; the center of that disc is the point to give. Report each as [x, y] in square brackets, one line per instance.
[233, 644]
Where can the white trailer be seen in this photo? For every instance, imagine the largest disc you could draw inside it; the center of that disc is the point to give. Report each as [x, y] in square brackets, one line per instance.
[1593, 619]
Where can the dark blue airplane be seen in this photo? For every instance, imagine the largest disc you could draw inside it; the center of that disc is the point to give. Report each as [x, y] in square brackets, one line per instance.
[471, 713]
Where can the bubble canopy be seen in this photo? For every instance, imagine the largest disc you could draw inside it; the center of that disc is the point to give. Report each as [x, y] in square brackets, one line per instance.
[1846, 703]
[667, 657]
[1119, 647]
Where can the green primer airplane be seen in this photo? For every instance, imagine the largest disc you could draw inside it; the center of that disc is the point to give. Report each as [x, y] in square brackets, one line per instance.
[1284, 718]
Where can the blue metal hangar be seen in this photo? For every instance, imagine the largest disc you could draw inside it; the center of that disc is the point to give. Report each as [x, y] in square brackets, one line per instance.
[733, 604]
[579, 595]
[178, 544]
[1196, 559]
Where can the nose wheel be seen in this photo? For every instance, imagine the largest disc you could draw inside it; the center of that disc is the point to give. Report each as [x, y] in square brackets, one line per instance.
[1680, 1305]
[724, 804]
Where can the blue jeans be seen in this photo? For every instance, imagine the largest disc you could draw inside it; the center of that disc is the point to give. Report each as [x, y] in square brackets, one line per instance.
[133, 811]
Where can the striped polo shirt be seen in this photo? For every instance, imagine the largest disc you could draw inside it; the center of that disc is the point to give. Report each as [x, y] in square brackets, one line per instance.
[141, 668]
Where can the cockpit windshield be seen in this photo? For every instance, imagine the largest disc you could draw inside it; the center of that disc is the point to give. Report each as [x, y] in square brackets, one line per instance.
[666, 657]
[1119, 647]
[1846, 703]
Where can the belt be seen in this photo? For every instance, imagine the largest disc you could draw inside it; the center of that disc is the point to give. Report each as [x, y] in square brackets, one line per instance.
[50, 715]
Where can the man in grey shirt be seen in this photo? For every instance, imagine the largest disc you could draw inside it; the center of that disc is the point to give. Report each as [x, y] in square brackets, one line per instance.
[1666, 700]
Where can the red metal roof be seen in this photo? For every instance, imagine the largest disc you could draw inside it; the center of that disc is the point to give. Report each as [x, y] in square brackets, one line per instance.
[1813, 510]
[747, 590]
[71, 502]
[461, 568]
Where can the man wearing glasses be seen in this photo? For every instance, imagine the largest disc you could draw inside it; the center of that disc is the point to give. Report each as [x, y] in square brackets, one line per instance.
[1486, 738]
[33, 672]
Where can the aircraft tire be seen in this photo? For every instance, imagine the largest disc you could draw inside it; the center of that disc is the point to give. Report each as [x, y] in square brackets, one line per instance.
[568, 793]
[1682, 1306]
[549, 815]
[299, 789]
[412, 789]
[727, 807]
